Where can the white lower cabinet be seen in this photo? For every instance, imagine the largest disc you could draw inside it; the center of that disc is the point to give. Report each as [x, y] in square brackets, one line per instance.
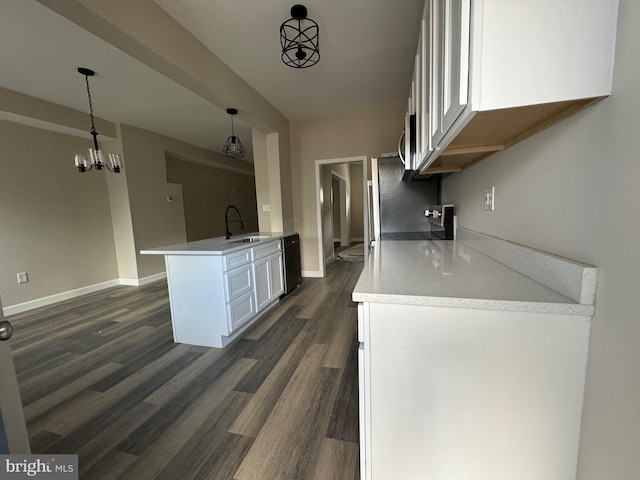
[214, 298]
[455, 393]
[268, 274]
[276, 275]
[263, 283]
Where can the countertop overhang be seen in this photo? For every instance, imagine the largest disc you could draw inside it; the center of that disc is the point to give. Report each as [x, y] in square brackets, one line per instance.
[453, 274]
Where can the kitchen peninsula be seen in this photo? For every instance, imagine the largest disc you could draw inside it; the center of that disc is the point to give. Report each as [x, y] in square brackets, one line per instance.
[472, 360]
[219, 287]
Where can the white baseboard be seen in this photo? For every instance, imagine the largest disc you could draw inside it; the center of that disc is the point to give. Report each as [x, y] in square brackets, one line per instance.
[138, 282]
[58, 297]
[312, 273]
[78, 292]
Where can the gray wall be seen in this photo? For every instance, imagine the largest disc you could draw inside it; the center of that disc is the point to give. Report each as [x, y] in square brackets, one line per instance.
[402, 203]
[573, 190]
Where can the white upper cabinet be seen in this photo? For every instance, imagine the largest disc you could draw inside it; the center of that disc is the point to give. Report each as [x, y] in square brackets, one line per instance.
[422, 129]
[495, 72]
[452, 17]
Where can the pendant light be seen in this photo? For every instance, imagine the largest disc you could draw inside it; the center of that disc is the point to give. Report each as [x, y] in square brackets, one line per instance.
[233, 148]
[299, 39]
[95, 157]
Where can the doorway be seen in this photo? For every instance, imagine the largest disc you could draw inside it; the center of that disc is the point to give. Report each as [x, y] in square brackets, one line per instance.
[337, 187]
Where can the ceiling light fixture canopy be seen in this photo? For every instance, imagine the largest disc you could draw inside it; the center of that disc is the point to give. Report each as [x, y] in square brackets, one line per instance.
[95, 157]
[299, 39]
[233, 148]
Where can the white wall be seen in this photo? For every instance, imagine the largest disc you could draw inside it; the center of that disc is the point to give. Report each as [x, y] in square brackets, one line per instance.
[574, 190]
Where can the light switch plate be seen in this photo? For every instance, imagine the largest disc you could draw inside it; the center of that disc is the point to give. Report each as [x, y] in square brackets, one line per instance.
[23, 277]
[490, 198]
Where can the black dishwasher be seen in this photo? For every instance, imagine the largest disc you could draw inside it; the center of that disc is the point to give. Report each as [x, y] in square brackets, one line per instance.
[292, 266]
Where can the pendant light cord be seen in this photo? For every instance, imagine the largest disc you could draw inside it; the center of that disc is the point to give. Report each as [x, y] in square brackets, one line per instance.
[94, 133]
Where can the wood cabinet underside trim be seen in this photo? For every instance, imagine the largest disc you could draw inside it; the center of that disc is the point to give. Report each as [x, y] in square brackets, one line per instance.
[492, 131]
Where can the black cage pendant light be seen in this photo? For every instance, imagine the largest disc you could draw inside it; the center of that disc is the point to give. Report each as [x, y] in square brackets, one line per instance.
[233, 148]
[299, 39]
[95, 157]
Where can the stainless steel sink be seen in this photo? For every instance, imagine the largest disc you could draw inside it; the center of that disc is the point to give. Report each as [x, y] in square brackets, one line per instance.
[246, 240]
[251, 239]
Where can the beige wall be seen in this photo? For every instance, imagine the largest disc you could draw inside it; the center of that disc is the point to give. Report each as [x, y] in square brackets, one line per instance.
[70, 231]
[363, 132]
[155, 221]
[206, 193]
[356, 202]
[56, 222]
[573, 190]
[154, 38]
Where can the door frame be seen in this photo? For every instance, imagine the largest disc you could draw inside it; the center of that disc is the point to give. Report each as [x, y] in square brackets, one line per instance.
[342, 197]
[12, 414]
[319, 201]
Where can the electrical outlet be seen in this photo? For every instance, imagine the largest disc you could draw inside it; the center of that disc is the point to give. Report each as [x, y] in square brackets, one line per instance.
[23, 277]
[490, 198]
[266, 207]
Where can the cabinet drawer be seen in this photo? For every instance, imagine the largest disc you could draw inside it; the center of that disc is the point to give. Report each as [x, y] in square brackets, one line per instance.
[266, 249]
[236, 259]
[240, 311]
[237, 282]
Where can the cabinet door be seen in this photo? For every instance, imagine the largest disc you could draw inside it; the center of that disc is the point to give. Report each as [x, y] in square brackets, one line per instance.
[422, 128]
[449, 66]
[263, 282]
[453, 18]
[432, 13]
[419, 91]
[240, 311]
[276, 275]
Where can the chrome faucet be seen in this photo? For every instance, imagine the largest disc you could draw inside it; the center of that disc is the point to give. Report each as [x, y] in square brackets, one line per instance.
[227, 232]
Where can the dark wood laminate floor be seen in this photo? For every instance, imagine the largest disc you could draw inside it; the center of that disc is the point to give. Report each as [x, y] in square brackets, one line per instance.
[100, 376]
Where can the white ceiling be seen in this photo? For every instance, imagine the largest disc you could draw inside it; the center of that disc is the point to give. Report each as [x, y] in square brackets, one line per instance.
[367, 49]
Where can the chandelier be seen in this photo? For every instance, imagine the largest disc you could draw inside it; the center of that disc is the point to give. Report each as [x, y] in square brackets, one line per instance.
[94, 157]
[299, 39]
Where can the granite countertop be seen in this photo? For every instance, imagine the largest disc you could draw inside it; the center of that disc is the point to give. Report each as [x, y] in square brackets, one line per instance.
[217, 245]
[452, 274]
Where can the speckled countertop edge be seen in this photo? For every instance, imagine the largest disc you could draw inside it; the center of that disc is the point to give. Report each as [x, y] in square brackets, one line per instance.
[380, 284]
[215, 246]
[478, 303]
